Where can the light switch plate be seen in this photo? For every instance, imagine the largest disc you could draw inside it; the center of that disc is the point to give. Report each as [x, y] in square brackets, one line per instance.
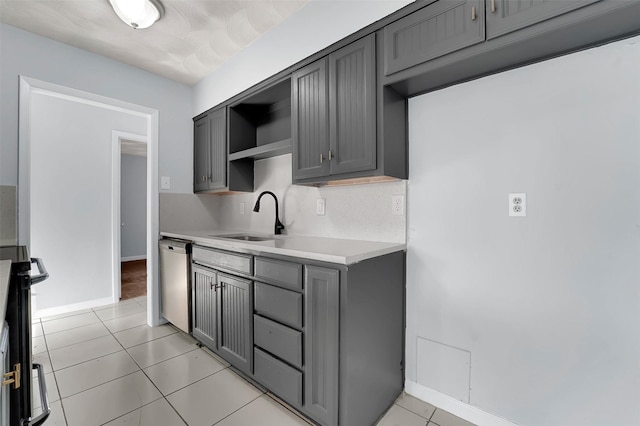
[321, 206]
[165, 182]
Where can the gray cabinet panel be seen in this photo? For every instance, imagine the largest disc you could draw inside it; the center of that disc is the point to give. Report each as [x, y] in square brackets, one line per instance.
[222, 259]
[310, 121]
[210, 151]
[352, 107]
[218, 150]
[204, 303]
[235, 327]
[281, 341]
[284, 306]
[438, 29]
[283, 380]
[321, 343]
[201, 156]
[505, 16]
[284, 274]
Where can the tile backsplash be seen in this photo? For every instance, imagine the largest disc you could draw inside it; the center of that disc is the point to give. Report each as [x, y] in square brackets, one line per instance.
[359, 212]
[8, 215]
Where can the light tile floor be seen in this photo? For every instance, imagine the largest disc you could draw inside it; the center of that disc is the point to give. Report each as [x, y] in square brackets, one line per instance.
[105, 366]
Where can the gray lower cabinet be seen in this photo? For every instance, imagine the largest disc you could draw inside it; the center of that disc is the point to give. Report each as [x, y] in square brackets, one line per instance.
[223, 305]
[334, 114]
[505, 16]
[210, 151]
[325, 338]
[235, 330]
[435, 30]
[321, 347]
[205, 306]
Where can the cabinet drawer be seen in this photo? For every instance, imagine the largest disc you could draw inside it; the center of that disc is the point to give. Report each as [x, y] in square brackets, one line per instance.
[283, 380]
[279, 304]
[280, 340]
[284, 274]
[222, 259]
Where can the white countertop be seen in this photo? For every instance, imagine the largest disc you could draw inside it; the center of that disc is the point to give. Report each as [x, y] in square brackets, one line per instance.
[5, 275]
[333, 250]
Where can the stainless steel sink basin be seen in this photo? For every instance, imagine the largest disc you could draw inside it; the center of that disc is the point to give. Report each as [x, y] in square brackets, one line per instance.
[245, 237]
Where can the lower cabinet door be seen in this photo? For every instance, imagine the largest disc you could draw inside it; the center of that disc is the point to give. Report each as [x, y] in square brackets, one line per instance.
[321, 344]
[204, 302]
[235, 325]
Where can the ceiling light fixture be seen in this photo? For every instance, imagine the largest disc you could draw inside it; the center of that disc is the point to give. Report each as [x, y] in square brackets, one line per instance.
[138, 13]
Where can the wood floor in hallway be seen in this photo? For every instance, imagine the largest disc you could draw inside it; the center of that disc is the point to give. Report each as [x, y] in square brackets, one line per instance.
[133, 276]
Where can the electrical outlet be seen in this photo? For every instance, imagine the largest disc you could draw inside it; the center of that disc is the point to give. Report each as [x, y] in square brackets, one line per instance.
[518, 204]
[241, 208]
[321, 206]
[165, 182]
[397, 205]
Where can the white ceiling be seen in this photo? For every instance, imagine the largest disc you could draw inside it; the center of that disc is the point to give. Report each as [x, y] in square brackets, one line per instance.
[192, 39]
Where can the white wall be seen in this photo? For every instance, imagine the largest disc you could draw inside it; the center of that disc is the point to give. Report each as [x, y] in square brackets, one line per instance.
[30, 55]
[545, 308]
[133, 207]
[314, 27]
[71, 209]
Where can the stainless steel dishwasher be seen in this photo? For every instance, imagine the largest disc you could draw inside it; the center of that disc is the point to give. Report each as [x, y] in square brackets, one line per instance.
[175, 276]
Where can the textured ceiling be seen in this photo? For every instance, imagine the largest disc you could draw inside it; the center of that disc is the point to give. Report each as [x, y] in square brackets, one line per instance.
[190, 41]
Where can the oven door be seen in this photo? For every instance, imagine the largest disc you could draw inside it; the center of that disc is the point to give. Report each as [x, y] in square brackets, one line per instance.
[6, 368]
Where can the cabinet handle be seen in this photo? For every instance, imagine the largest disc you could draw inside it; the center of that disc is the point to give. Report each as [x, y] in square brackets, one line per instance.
[204, 178]
[474, 14]
[330, 155]
[321, 158]
[493, 6]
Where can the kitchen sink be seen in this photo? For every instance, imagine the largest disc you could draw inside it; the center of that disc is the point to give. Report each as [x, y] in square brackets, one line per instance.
[245, 237]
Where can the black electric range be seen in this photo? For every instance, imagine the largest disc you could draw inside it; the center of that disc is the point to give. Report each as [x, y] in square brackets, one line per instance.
[18, 318]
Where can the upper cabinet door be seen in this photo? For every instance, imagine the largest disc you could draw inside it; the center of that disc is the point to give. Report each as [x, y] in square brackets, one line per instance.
[440, 28]
[218, 148]
[201, 156]
[352, 106]
[310, 121]
[505, 16]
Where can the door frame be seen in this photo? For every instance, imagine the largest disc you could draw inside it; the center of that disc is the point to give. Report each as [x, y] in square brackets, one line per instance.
[30, 86]
[116, 213]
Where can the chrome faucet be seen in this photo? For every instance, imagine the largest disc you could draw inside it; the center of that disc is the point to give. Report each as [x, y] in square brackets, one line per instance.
[278, 225]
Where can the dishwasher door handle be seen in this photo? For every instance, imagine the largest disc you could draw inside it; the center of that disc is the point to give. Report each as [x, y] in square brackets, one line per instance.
[174, 246]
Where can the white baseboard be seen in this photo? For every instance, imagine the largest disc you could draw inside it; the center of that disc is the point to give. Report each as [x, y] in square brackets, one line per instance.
[40, 313]
[455, 407]
[132, 258]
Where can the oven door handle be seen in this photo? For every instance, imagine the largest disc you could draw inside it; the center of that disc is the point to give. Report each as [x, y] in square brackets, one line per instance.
[46, 410]
[43, 275]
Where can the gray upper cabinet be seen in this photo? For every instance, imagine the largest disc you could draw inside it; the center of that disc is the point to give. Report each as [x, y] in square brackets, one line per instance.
[437, 29]
[352, 107]
[322, 324]
[310, 121]
[334, 113]
[235, 328]
[210, 151]
[505, 16]
[201, 133]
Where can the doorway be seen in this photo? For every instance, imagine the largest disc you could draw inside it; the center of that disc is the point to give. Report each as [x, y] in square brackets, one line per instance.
[133, 215]
[88, 279]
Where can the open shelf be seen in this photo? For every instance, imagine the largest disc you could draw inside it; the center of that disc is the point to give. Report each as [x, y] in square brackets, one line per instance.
[263, 151]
